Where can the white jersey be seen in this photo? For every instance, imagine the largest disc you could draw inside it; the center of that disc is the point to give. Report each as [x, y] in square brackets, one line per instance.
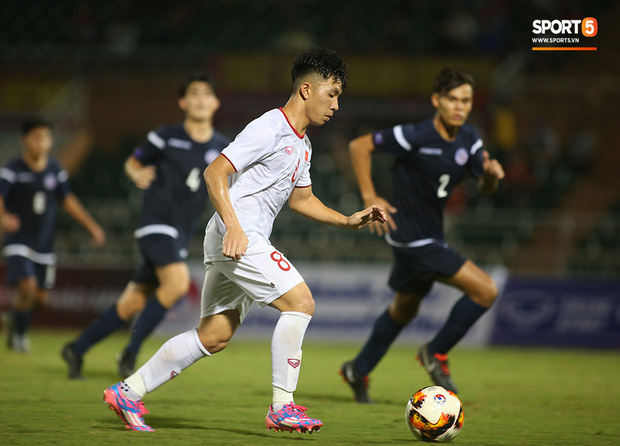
[270, 159]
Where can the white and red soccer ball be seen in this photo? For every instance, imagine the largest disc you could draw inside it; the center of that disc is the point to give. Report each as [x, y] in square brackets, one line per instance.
[434, 414]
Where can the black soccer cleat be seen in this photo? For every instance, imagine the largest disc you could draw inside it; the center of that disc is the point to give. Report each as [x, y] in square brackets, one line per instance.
[359, 384]
[437, 367]
[126, 364]
[73, 360]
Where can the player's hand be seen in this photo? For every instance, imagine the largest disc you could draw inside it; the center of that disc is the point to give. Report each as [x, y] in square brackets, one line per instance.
[367, 216]
[235, 243]
[491, 167]
[97, 237]
[143, 176]
[379, 228]
[10, 223]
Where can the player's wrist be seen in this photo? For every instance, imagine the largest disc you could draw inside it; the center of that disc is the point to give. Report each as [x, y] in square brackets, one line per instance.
[369, 199]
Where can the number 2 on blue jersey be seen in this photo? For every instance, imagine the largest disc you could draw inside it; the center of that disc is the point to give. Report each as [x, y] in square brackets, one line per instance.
[444, 180]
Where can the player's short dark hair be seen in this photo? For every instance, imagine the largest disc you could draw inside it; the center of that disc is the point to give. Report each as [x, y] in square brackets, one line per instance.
[196, 77]
[32, 122]
[322, 61]
[450, 78]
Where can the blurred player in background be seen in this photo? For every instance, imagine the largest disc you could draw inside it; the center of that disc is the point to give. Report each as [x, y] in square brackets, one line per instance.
[168, 166]
[267, 164]
[31, 187]
[431, 158]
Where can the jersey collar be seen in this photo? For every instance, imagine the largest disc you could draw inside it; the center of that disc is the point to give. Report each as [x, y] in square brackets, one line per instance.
[291, 125]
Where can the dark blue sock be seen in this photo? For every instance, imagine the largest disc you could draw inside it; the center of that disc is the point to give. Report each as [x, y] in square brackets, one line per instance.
[21, 320]
[152, 315]
[464, 314]
[107, 323]
[384, 331]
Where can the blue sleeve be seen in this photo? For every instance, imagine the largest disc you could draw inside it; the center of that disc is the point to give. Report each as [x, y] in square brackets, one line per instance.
[396, 141]
[150, 150]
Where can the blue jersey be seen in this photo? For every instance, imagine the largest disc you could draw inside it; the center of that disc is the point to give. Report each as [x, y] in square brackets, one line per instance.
[426, 170]
[177, 197]
[34, 198]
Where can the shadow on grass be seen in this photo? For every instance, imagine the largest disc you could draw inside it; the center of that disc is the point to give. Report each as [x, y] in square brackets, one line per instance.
[326, 397]
[155, 422]
[162, 423]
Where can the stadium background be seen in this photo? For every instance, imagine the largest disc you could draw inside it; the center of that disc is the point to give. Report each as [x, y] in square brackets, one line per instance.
[107, 73]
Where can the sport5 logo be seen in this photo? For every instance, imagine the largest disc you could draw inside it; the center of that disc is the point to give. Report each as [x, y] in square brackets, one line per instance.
[588, 26]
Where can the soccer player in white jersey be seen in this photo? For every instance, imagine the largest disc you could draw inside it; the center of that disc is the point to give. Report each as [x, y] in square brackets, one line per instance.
[266, 165]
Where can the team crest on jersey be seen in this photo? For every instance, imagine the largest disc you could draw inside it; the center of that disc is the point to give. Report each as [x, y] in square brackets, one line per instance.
[210, 155]
[49, 181]
[289, 149]
[461, 156]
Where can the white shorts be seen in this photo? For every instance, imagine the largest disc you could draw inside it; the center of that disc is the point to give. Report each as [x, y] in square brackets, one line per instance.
[236, 284]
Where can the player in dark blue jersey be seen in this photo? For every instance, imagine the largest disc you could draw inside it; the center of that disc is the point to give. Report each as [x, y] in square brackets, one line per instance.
[31, 188]
[430, 159]
[168, 166]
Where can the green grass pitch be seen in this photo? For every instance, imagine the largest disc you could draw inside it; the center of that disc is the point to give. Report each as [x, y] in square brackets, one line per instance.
[511, 397]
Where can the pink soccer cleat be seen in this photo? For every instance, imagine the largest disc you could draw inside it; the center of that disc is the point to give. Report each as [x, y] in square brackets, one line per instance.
[291, 418]
[130, 412]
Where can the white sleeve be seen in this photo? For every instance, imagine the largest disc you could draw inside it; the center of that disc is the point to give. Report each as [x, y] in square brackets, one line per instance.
[251, 145]
[304, 179]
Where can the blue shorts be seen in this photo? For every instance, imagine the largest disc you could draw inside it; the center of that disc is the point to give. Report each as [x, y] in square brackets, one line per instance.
[158, 250]
[415, 269]
[18, 267]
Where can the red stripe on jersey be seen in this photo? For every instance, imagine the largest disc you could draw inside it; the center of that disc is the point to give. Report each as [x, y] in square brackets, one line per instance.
[306, 156]
[231, 163]
[291, 125]
[301, 187]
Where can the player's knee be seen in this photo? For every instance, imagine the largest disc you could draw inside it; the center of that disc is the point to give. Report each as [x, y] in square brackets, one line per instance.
[404, 308]
[305, 304]
[212, 343]
[41, 299]
[170, 293]
[215, 347]
[298, 299]
[486, 294]
[26, 293]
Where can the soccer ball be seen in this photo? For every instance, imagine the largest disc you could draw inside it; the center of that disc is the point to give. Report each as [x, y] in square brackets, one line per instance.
[434, 414]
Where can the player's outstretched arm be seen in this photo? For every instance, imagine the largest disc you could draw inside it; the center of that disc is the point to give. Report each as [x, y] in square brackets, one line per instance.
[492, 173]
[216, 175]
[305, 203]
[361, 150]
[75, 209]
[141, 175]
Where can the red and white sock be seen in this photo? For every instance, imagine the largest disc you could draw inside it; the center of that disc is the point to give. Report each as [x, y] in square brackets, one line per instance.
[177, 354]
[288, 337]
